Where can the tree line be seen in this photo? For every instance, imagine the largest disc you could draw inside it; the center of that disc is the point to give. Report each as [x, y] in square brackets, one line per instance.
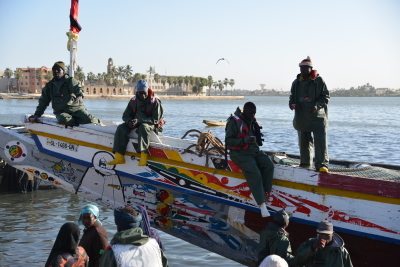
[120, 74]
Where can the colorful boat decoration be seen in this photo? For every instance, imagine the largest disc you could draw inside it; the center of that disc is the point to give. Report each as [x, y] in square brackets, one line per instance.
[201, 196]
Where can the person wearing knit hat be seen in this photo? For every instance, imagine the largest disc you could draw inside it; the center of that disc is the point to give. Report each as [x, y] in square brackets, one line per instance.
[275, 240]
[66, 98]
[327, 249]
[144, 113]
[130, 246]
[309, 99]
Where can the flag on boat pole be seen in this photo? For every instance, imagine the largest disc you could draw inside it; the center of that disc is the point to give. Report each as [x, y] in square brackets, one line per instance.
[73, 35]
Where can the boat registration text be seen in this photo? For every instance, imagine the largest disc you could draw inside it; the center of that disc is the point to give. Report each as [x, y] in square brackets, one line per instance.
[63, 145]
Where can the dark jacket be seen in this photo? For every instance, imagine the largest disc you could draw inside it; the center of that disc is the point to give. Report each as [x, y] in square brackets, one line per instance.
[62, 95]
[94, 240]
[334, 255]
[306, 94]
[275, 240]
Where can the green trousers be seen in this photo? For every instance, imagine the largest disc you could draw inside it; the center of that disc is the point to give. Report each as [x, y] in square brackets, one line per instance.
[71, 118]
[320, 145]
[121, 137]
[258, 170]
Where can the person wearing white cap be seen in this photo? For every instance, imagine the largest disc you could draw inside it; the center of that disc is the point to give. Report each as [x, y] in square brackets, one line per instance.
[309, 99]
[327, 249]
[273, 261]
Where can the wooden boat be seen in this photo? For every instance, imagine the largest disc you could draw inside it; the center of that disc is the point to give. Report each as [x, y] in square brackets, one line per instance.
[214, 123]
[201, 196]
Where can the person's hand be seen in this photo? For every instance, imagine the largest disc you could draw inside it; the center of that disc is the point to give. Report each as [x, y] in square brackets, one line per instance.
[249, 139]
[318, 244]
[292, 106]
[313, 109]
[79, 100]
[33, 118]
[132, 123]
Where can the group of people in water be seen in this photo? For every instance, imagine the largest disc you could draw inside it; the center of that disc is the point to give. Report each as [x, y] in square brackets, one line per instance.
[144, 114]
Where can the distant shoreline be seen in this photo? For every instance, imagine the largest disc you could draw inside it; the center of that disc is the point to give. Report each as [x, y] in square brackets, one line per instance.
[111, 97]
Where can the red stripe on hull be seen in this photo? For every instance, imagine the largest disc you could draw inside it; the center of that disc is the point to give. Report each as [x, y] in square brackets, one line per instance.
[360, 184]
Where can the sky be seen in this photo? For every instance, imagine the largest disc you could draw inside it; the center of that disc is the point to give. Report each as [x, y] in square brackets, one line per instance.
[350, 42]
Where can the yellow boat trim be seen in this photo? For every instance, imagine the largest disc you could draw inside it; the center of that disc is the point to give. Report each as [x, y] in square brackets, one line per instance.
[293, 185]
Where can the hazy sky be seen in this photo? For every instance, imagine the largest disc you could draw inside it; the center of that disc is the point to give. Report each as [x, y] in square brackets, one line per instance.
[350, 42]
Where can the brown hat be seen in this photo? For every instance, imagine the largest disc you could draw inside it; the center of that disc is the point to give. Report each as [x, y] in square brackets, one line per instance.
[59, 64]
[325, 227]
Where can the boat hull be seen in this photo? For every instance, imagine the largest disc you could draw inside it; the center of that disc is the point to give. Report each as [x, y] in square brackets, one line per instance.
[208, 203]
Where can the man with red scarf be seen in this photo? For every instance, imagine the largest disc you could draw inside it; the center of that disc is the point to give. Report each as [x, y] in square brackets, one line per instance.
[143, 113]
[309, 99]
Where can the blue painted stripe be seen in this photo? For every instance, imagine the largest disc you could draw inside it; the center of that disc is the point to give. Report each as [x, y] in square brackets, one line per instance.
[209, 197]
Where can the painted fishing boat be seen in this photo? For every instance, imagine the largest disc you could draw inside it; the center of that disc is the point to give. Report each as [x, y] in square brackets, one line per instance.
[196, 193]
[214, 123]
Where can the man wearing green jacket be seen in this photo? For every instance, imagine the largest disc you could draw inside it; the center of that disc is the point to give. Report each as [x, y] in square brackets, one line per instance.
[130, 247]
[66, 97]
[275, 240]
[243, 138]
[327, 249]
[143, 113]
[309, 99]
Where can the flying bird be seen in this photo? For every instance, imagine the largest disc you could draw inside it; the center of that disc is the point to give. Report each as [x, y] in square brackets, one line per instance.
[222, 59]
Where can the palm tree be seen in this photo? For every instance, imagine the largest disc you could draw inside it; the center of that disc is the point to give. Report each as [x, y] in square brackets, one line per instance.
[179, 81]
[18, 76]
[128, 70]
[151, 71]
[115, 82]
[8, 73]
[143, 76]
[39, 76]
[191, 80]
[209, 84]
[157, 77]
[226, 82]
[90, 77]
[215, 84]
[137, 77]
[121, 73]
[99, 78]
[49, 76]
[78, 73]
[170, 81]
[186, 81]
[221, 86]
[107, 79]
[231, 83]
[163, 81]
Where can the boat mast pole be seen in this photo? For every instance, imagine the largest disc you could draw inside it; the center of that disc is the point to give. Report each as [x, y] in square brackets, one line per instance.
[73, 36]
[72, 57]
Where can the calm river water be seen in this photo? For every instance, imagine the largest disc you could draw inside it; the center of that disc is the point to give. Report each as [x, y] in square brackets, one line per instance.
[361, 129]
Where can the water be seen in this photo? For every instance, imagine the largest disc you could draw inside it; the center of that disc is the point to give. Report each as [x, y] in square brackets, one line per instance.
[361, 129]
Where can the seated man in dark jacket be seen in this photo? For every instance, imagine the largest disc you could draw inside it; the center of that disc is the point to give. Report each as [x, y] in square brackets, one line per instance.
[66, 97]
[243, 138]
[275, 240]
[327, 249]
[144, 113]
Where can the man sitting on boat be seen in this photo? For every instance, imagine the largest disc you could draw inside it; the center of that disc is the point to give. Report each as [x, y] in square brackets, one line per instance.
[327, 249]
[274, 240]
[143, 113]
[309, 99]
[66, 97]
[130, 246]
[243, 138]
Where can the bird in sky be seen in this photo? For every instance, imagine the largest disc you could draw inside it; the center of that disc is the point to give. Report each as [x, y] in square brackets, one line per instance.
[222, 59]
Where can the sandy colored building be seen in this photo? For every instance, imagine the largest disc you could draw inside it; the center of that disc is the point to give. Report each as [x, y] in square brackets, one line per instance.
[29, 83]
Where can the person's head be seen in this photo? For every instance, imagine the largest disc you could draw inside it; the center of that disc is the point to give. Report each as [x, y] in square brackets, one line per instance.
[58, 70]
[325, 231]
[127, 217]
[67, 238]
[281, 218]
[249, 111]
[142, 90]
[89, 215]
[306, 67]
[273, 261]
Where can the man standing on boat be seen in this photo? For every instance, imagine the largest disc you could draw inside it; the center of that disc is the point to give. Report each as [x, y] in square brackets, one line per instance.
[327, 249]
[144, 113]
[275, 240]
[243, 138]
[66, 97]
[309, 99]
